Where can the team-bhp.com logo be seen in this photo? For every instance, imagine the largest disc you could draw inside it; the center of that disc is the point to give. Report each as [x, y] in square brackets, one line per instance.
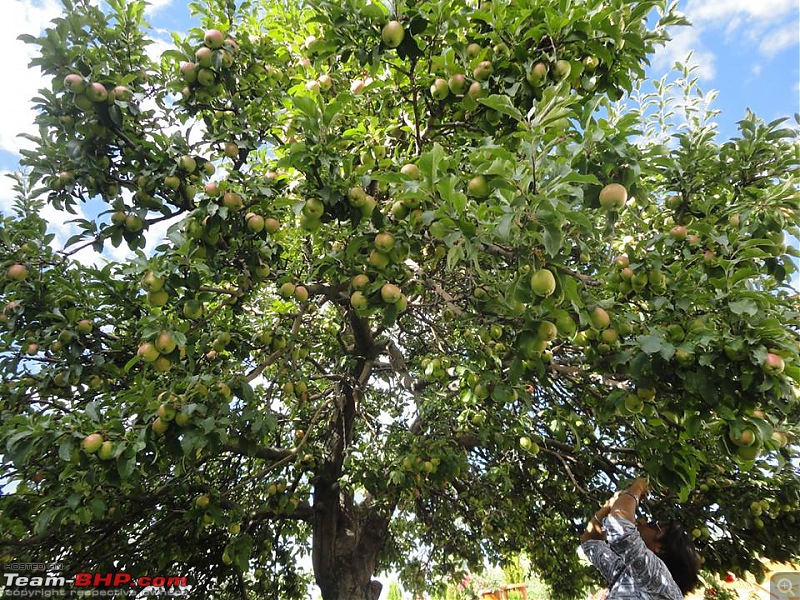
[40, 582]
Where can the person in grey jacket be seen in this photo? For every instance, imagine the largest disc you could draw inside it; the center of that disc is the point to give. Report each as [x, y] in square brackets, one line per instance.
[639, 560]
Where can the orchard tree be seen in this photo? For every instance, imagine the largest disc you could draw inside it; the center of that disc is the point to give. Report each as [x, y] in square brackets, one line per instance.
[424, 297]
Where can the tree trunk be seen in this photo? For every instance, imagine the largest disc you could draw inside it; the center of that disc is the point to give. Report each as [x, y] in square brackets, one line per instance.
[346, 541]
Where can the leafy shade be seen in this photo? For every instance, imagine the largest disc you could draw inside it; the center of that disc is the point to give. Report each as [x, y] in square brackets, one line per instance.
[382, 320]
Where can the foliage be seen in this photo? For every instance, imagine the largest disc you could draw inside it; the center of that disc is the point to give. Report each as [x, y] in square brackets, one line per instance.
[421, 367]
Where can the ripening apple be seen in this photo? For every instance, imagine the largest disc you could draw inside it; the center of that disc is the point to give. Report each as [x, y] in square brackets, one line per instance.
[410, 170]
[206, 77]
[314, 208]
[773, 364]
[478, 187]
[134, 223]
[231, 150]
[476, 90]
[301, 293]
[17, 272]
[599, 318]
[255, 222]
[91, 443]
[106, 451]
[537, 74]
[84, 327]
[392, 34]
[193, 309]
[358, 300]
[204, 56]
[678, 232]
[633, 404]
[613, 196]
[384, 241]
[378, 259]
[232, 200]
[609, 336]
[325, 82]
[543, 283]
[546, 331]
[473, 50]
[272, 225]
[746, 438]
[213, 38]
[32, 349]
[159, 298]
[148, 352]
[187, 163]
[97, 92]
[591, 63]
[189, 71]
[159, 426]
[562, 69]
[647, 394]
[120, 92]
[165, 343]
[390, 293]
[201, 501]
[287, 289]
[75, 83]
[439, 89]
[483, 70]
[457, 83]
[359, 282]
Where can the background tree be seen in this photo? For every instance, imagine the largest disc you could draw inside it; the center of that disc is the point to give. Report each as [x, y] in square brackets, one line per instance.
[424, 298]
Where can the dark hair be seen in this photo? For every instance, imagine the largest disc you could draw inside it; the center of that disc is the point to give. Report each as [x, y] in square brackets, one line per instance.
[680, 556]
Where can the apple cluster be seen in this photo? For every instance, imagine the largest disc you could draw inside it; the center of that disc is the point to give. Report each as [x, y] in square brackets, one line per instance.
[203, 77]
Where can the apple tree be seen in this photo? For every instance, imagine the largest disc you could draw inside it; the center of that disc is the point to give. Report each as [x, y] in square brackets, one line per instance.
[357, 287]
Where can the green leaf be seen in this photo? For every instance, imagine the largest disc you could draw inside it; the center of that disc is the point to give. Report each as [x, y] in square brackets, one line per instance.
[743, 307]
[502, 104]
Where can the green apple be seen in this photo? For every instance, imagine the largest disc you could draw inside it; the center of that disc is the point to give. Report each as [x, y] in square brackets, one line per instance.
[106, 451]
[483, 70]
[384, 241]
[457, 83]
[392, 34]
[613, 196]
[148, 352]
[543, 283]
[390, 293]
[358, 300]
[440, 89]
[478, 187]
[537, 74]
[600, 318]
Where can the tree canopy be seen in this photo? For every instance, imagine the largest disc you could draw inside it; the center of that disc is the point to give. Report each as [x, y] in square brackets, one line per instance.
[425, 296]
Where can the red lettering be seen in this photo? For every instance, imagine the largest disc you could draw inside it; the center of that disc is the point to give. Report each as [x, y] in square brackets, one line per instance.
[103, 580]
[177, 582]
[158, 581]
[121, 579]
[83, 579]
[143, 582]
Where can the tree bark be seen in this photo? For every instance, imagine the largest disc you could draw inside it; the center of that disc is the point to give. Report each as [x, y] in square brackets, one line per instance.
[346, 541]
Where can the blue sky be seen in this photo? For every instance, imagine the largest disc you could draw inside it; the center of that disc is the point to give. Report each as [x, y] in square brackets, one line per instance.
[747, 50]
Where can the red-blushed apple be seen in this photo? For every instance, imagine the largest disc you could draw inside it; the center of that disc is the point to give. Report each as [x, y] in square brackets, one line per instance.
[255, 222]
[213, 38]
[75, 83]
[301, 293]
[147, 352]
[91, 443]
[537, 75]
[359, 282]
[204, 56]
[84, 327]
[773, 364]
[325, 82]
[457, 83]
[272, 225]
[97, 92]
[189, 71]
[165, 343]
[678, 232]
[232, 200]
[17, 272]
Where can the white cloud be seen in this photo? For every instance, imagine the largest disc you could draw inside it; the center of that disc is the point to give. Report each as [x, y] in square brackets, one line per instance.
[780, 39]
[769, 25]
[156, 5]
[21, 16]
